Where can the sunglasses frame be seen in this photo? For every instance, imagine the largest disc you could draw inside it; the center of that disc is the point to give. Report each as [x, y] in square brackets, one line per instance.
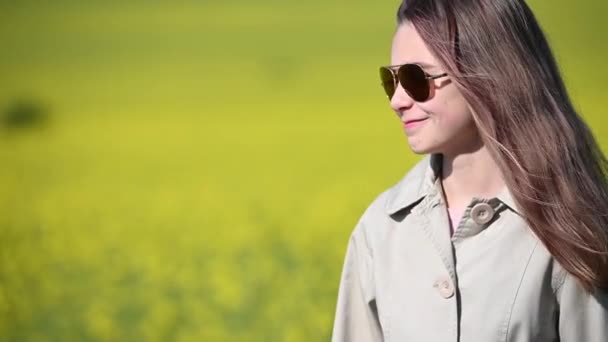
[394, 70]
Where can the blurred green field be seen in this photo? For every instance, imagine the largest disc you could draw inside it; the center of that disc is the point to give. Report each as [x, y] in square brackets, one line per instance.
[203, 163]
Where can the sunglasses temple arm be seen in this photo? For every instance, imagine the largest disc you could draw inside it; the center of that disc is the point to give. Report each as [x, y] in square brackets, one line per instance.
[436, 76]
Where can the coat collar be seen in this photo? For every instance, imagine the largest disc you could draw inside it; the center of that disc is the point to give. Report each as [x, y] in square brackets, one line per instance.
[420, 182]
[506, 197]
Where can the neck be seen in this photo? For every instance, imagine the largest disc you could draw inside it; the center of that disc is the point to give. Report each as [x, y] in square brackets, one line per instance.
[470, 174]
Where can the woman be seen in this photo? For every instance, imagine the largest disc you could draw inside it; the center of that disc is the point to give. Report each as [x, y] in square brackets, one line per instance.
[501, 232]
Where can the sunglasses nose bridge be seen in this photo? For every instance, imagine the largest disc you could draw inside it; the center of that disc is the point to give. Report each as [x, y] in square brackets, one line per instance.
[395, 79]
[401, 99]
[398, 85]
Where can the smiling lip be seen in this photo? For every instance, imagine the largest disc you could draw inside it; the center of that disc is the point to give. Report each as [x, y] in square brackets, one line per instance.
[412, 122]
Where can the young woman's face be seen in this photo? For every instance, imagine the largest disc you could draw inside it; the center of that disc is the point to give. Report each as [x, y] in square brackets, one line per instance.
[443, 123]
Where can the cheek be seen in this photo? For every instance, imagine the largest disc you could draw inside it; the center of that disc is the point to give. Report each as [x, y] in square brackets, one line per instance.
[453, 119]
[450, 112]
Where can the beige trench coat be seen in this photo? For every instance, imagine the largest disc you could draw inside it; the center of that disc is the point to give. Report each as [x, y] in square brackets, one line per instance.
[405, 279]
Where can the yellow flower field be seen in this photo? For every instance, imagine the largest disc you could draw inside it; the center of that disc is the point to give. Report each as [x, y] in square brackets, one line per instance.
[195, 169]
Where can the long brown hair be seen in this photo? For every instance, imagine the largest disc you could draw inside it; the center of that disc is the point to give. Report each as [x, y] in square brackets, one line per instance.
[497, 55]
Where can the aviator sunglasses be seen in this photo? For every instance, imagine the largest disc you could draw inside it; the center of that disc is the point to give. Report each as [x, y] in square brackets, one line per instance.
[414, 80]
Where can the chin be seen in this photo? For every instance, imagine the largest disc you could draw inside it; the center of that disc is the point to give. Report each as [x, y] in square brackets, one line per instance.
[424, 146]
[421, 152]
[423, 149]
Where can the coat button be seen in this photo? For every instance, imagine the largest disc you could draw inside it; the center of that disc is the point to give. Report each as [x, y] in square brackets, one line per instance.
[482, 213]
[444, 287]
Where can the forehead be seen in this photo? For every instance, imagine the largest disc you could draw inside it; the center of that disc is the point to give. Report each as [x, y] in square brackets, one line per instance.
[408, 47]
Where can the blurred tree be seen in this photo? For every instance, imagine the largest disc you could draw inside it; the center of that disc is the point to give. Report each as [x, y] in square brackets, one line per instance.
[25, 112]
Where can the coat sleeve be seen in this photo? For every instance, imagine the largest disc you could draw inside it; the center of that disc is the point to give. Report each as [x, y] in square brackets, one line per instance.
[356, 316]
[583, 316]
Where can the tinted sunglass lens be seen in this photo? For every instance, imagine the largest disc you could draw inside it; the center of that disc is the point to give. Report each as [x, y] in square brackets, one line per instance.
[388, 83]
[414, 81]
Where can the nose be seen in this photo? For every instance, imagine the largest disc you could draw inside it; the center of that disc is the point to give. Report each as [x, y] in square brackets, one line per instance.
[401, 101]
